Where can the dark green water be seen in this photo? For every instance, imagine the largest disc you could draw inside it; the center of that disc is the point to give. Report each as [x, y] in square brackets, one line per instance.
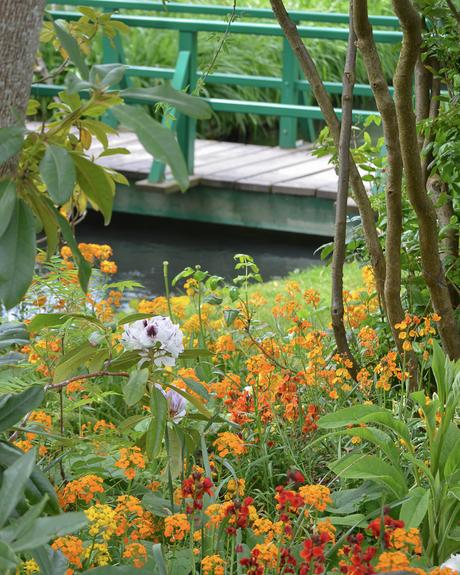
[141, 244]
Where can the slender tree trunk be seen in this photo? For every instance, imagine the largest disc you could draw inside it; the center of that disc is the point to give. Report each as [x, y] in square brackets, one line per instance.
[322, 97]
[338, 257]
[426, 215]
[20, 25]
[394, 168]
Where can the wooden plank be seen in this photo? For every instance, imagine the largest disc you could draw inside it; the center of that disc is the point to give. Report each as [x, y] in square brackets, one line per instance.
[309, 185]
[310, 165]
[262, 163]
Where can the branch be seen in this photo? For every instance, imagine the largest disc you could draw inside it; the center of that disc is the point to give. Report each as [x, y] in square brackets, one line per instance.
[426, 215]
[322, 97]
[338, 256]
[66, 382]
[394, 167]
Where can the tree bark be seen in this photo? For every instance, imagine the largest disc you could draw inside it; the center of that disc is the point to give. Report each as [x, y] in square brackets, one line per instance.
[324, 102]
[394, 167]
[20, 25]
[426, 215]
[338, 257]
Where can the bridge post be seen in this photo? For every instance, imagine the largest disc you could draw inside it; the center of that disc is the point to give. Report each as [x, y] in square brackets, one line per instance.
[185, 127]
[289, 95]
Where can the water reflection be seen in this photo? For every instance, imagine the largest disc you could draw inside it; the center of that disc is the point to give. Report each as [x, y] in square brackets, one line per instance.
[141, 244]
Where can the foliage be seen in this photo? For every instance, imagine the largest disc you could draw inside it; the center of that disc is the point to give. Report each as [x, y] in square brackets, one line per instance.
[224, 462]
[56, 175]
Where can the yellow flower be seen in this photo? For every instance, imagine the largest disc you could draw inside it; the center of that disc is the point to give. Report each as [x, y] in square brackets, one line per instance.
[102, 521]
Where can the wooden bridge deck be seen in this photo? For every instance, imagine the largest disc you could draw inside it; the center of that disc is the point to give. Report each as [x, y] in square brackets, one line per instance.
[247, 167]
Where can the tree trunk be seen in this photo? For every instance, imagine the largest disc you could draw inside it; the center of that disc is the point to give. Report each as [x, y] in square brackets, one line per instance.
[433, 270]
[338, 257]
[324, 102]
[20, 25]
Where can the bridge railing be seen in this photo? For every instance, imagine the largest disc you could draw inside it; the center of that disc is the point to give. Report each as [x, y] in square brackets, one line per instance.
[295, 99]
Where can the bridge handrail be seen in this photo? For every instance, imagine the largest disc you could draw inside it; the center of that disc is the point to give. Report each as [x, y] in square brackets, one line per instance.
[252, 28]
[217, 10]
[295, 110]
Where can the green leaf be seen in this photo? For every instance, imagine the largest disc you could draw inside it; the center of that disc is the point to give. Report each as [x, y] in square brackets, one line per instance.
[159, 559]
[11, 140]
[197, 387]
[72, 48]
[43, 208]
[156, 139]
[18, 527]
[44, 529]
[96, 184]
[438, 365]
[17, 255]
[347, 416]
[13, 407]
[42, 320]
[134, 388]
[414, 509]
[159, 506]
[106, 75]
[84, 268]
[190, 105]
[13, 484]
[156, 429]
[353, 520]
[452, 463]
[133, 317]
[195, 353]
[8, 560]
[7, 203]
[359, 466]
[73, 361]
[51, 562]
[58, 172]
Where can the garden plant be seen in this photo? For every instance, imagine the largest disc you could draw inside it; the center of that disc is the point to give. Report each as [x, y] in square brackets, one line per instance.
[231, 427]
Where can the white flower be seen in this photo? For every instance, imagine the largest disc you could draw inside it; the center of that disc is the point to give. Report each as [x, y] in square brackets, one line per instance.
[157, 336]
[453, 563]
[176, 404]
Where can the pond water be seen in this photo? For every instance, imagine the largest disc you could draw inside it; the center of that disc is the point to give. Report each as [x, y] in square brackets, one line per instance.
[141, 244]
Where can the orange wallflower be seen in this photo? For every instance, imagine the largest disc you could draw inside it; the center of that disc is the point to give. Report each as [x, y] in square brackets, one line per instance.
[130, 459]
[228, 442]
[176, 527]
[83, 489]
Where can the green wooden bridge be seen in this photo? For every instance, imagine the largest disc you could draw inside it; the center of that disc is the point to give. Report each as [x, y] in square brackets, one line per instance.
[279, 188]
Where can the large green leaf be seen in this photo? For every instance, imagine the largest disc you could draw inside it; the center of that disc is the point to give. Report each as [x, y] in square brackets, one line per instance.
[107, 74]
[347, 416]
[84, 268]
[13, 333]
[189, 105]
[414, 509]
[44, 529]
[156, 429]
[70, 45]
[72, 361]
[7, 204]
[17, 255]
[13, 407]
[359, 466]
[51, 562]
[8, 560]
[159, 506]
[11, 140]
[38, 485]
[43, 209]
[96, 184]
[117, 570]
[134, 388]
[42, 320]
[156, 139]
[58, 172]
[14, 481]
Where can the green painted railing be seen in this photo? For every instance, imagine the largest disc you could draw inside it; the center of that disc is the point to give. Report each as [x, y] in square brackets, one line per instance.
[295, 97]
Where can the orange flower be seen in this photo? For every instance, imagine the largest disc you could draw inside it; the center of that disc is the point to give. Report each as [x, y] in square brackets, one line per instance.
[107, 267]
[130, 459]
[317, 496]
[228, 442]
[83, 489]
[212, 565]
[137, 553]
[72, 548]
[176, 527]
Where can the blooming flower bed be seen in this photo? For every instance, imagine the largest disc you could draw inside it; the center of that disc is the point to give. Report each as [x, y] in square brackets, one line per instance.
[197, 436]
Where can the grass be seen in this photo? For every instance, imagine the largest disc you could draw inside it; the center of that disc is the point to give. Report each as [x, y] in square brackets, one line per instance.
[317, 278]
